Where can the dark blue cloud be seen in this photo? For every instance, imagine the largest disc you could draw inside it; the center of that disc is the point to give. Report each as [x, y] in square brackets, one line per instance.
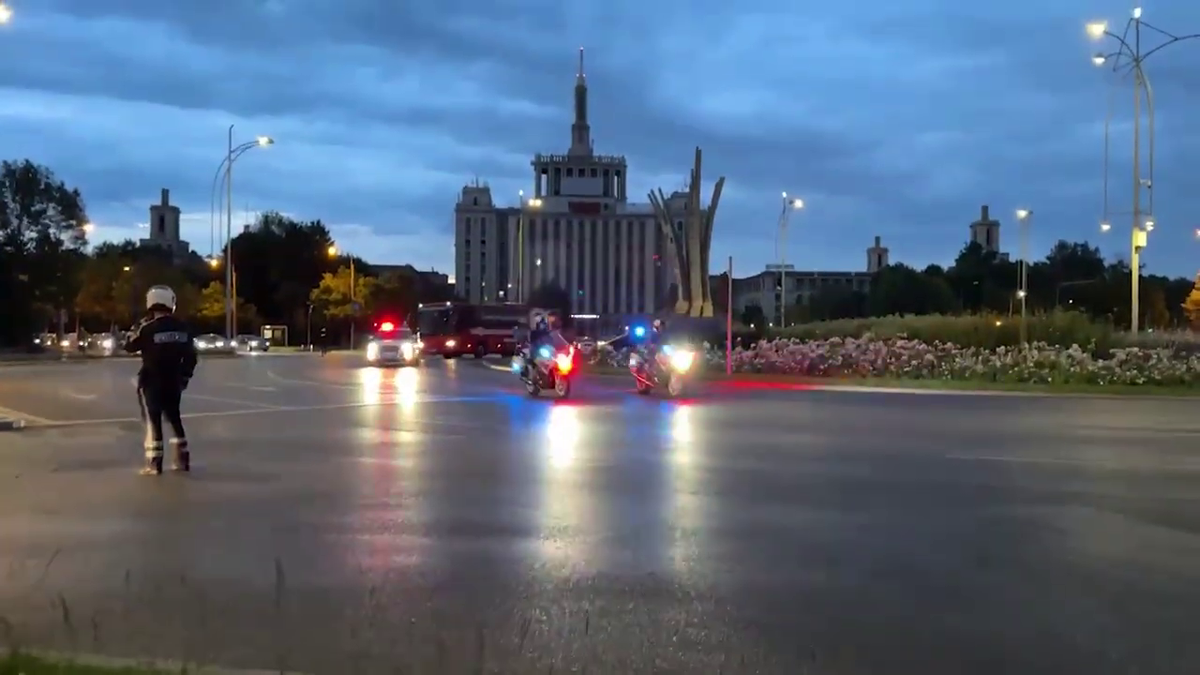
[897, 120]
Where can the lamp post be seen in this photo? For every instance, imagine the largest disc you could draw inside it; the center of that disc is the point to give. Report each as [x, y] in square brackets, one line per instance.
[789, 205]
[1129, 58]
[533, 203]
[231, 155]
[1024, 216]
[333, 253]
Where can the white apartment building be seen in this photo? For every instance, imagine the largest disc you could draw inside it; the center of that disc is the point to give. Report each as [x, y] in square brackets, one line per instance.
[575, 228]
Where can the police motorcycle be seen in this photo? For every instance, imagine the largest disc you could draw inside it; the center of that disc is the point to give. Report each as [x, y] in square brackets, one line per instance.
[667, 366]
[546, 365]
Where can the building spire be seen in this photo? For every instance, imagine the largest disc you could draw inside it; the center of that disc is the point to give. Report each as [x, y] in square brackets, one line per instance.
[581, 133]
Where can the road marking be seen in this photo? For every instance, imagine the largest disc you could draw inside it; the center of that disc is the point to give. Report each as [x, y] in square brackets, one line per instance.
[234, 401]
[81, 397]
[18, 415]
[1076, 462]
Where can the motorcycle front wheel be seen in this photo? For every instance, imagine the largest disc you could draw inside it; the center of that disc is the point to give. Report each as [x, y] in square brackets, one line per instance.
[562, 387]
[675, 385]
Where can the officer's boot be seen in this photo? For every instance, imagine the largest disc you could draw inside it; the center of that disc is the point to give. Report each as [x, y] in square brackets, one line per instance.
[154, 460]
[181, 459]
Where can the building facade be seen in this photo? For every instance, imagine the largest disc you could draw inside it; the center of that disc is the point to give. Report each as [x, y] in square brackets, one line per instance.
[769, 288]
[164, 228]
[576, 229]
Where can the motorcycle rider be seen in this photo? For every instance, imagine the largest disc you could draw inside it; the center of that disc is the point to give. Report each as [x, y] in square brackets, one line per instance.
[168, 364]
[539, 333]
[654, 342]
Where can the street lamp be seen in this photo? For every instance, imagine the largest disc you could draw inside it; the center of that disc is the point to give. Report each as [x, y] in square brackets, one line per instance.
[1024, 216]
[789, 205]
[332, 251]
[231, 155]
[6, 13]
[532, 203]
[1128, 58]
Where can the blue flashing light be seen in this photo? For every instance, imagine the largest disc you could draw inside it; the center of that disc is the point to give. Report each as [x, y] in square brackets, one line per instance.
[545, 352]
[639, 331]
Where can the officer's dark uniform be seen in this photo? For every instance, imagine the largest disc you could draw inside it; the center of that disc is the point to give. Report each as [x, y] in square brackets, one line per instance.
[168, 363]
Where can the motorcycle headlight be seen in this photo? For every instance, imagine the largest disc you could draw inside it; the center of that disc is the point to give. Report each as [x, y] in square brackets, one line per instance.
[682, 360]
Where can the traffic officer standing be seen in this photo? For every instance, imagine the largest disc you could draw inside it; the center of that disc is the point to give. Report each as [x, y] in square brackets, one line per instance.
[168, 363]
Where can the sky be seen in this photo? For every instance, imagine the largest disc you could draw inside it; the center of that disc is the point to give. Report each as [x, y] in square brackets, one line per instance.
[896, 120]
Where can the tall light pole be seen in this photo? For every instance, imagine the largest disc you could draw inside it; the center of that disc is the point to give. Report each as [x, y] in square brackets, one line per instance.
[1129, 58]
[1024, 216]
[534, 203]
[231, 155]
[785, 215]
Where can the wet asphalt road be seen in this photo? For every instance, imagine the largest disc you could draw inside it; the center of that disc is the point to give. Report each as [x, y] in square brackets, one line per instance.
[343, 520]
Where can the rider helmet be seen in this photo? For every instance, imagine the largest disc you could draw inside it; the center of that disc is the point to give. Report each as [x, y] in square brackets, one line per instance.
[160, 299]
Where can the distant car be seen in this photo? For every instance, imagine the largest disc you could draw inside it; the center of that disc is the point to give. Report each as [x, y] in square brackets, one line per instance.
[252, 343]
[212, 343]
[393, 344]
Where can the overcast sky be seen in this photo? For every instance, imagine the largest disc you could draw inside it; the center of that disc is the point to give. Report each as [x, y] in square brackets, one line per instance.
[890, 119]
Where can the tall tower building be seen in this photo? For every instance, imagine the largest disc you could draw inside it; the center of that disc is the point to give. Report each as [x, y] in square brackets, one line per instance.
[986, 231]
[877, 256]
[164, 227]
[576, 229]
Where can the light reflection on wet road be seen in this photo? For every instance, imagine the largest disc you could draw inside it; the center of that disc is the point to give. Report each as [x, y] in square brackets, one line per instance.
[395, 516]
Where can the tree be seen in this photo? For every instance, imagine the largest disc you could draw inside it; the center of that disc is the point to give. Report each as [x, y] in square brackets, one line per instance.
[332, 295]
[1191, 305]
[900, 289]
[394, 294]
[129, 291]
[209, 313]
[42, 237]
[754, 317]
[279, 261]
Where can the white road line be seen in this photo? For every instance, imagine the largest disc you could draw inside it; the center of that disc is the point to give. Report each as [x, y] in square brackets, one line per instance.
[82, 397]
[18, 415]
[1076, 462]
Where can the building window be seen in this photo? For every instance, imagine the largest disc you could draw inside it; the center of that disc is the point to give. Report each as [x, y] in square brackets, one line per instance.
[595, 173]
[474, 201]
[162, 224]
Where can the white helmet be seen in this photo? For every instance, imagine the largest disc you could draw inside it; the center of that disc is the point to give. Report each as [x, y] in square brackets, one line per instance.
[160, 296]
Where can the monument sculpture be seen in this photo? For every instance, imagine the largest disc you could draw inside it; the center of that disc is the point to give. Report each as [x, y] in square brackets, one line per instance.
[690, 242]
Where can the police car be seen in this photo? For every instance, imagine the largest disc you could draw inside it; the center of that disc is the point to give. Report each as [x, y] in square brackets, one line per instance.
[393, 344]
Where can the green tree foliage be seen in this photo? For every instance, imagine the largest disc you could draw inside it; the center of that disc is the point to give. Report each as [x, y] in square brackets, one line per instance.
[42, 240]
[332, 295]
[209, 312]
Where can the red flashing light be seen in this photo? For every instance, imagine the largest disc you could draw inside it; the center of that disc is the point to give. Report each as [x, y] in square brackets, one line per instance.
[387, 327]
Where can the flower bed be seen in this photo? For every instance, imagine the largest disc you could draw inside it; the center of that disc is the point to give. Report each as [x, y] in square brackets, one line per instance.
[903, 358]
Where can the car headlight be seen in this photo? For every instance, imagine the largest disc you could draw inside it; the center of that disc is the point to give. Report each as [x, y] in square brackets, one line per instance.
[372, 351]
[407, 349]
[682, 360]
[65, 343]
[107, 344]
[201, 345]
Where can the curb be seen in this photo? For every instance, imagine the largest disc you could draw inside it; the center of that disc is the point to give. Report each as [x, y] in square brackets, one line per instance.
[113, 662]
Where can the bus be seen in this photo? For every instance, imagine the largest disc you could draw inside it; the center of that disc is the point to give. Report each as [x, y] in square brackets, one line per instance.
[455, 329]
